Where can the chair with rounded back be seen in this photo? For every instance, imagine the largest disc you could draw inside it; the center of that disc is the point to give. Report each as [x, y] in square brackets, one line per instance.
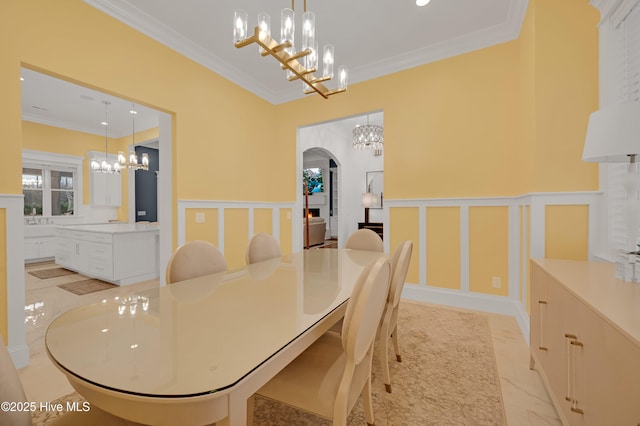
[194, 259]
[11, 391]
[328, 377]
[262, 247]
[389, 326]
[365, 239]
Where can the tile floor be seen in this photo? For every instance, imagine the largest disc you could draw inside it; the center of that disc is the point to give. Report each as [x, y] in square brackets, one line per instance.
[525, 398]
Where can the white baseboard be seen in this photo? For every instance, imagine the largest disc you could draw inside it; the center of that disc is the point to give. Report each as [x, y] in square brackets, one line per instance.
[478, 302]
[19, 355]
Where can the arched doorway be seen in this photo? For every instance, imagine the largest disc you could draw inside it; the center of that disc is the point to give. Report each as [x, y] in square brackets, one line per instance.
[321, 202]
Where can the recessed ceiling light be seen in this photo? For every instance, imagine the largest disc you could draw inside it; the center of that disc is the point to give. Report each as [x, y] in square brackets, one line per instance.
[422, 2]
[21, 78]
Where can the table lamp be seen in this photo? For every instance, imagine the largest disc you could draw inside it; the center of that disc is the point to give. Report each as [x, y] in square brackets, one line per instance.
[613, 136]
[369, 200]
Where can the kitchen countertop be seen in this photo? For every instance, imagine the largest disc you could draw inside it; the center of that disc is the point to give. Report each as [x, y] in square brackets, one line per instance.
[112, 228]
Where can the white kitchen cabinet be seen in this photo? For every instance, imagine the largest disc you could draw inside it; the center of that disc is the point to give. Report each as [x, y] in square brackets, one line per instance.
[37, 249]
[118, 253]
[39, 243]
[106, 189]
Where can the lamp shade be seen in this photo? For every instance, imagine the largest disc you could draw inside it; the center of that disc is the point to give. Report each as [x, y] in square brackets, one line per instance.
[369, 200]
[613, 134]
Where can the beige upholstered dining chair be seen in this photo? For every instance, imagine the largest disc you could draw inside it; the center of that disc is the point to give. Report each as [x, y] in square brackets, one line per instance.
[194, 259]
[262, 247]
[389, 325]
[365, 239]
[328, 377]
[11, 391]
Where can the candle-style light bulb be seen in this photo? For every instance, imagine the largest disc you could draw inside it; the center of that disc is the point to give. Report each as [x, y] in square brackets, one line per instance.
[327, 61]
[308, 30]
[343, 77]
[264, 23]
[239, 25]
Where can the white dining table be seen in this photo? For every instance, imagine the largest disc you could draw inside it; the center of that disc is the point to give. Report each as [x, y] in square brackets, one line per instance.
[194, 352]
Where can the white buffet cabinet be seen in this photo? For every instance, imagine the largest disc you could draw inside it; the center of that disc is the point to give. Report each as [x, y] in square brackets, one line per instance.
[119, 253]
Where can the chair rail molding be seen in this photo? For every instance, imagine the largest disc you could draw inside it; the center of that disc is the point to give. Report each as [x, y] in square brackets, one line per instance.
[275, 207]
[527, 210]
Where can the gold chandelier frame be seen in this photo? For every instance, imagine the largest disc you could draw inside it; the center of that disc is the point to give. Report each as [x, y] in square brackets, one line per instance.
[290, 61]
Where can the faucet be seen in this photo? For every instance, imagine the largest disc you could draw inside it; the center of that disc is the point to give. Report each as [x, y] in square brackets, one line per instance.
[32, 220]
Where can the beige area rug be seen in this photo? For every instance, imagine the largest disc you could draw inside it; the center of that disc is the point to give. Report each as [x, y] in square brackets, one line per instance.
[86, 286]
[447, 376]
[44, 274]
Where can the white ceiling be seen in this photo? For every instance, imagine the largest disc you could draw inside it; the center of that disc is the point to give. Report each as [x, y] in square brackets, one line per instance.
[54, 102]
[372, 38]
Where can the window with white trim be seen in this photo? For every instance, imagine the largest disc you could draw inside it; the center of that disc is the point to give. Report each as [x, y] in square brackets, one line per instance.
[50, 184]
[620, 57]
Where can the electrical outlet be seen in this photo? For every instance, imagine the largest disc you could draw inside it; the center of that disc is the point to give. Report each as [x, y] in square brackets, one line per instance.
[496, 282]
[199, 217]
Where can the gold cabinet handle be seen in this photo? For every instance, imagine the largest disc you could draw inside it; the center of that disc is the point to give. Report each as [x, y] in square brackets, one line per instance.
[570, 372]
[574, 401]
[541, 346]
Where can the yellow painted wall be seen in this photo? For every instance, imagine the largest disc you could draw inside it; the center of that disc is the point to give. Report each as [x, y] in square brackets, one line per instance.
[488, 249]
[566, 232]
[236, 236]
[404, 226]
[4, 324]
[207, 230]
[443, 247]
[566, 92]
[262, 221]
[459, 127]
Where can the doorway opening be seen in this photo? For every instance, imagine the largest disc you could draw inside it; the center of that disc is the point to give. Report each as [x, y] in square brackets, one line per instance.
[346, 177]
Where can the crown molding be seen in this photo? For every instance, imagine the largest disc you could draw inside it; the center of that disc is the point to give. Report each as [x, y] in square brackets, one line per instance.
[124, 12]
[605, 6]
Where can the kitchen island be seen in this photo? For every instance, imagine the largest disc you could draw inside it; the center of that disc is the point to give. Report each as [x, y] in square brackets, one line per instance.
[119, 253]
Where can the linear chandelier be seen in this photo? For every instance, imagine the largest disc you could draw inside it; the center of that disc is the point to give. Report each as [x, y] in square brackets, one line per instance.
[104, 166]
[299, 65]
[132, 161]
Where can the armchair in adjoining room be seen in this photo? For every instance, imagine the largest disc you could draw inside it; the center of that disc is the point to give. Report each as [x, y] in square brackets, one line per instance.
[317, 230]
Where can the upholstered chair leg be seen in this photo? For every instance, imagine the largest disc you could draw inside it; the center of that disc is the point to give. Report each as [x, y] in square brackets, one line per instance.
[394, 335]
[384, 355]
[367, 403]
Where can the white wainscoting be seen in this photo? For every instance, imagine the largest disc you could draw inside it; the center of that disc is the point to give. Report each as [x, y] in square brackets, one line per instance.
[183, 205]
[464, 298]
[14, 229]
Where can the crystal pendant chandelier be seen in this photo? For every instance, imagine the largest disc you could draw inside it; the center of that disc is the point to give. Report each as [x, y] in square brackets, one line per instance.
[299, 65]
[104, 166]
[368, 136]
[132, 161]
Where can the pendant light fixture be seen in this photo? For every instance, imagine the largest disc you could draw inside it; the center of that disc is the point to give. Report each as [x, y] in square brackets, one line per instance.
[132, 161]
[368, 136]
[104, 166]
[299, 65]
